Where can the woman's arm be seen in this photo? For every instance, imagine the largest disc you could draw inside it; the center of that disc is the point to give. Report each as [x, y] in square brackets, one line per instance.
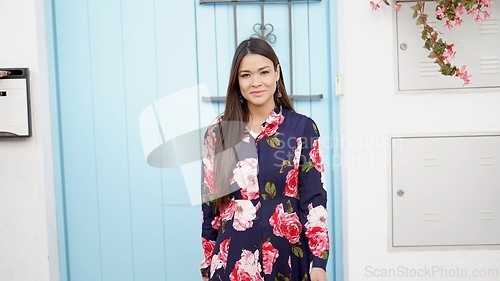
[312, 196]
[210, 221]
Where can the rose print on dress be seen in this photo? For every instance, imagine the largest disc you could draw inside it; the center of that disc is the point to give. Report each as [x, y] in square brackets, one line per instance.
[220, 260]
[245, 175]
[244, 214]
[269, 256]
[292, 183]
[292, 178]
[286, 224]
[216, 223]
[315, 155]
[247, 268]
[208, 249]
[316, 231]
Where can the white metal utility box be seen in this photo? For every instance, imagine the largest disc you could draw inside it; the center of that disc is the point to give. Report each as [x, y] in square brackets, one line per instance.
[15, 113]
[445, 191]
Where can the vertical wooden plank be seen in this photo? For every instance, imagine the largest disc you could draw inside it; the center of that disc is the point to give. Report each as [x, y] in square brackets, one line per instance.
[321, 110]
[301, 54]
[52, 58]
[110, 139]
[277, 15]
[77, 130]
[178, 69]
[145, 182]
[336, 204]
[248, 14]
[208, 58]
[224, 47]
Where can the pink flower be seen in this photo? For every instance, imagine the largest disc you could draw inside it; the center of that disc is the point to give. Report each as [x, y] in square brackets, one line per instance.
[478, 19]
[462, 74]
[440, 12]
[472, 12]
[318, 240]
[272, 123]
[315, 155]
[208, 249]
[245, 174]
[374, 6]
[297, 151]
[316, 217]
[224, 250]
[486, 15]
[397, 7]
[244, 215]
[458, 21]
[208, 179]
[292, 183]
[269, 256]
[459, 10]
[286, 225]
[449, 54]
[486, 3]
[227, 210]
[448, 24]
[216, 223]
[247, 268]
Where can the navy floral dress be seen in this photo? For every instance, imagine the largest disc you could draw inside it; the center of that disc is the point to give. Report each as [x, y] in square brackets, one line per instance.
[275, 225]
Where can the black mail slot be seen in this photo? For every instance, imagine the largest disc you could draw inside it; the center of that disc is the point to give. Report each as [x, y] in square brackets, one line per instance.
[3, 94]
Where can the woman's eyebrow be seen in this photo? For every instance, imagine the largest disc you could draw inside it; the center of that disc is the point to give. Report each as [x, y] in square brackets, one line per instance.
[261, 68]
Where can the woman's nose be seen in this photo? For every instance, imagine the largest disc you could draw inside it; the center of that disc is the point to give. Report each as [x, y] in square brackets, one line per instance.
[256, 81]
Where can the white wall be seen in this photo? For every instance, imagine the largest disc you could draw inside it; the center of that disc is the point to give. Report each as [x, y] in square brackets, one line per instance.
[27, 208]
[371, 111]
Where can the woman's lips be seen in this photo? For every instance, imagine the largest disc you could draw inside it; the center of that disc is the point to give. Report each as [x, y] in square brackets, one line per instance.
[257, 93]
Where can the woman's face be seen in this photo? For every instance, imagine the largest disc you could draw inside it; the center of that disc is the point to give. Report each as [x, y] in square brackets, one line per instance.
[257, 79]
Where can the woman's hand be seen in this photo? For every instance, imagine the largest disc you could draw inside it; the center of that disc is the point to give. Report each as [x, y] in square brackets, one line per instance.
[318, 274]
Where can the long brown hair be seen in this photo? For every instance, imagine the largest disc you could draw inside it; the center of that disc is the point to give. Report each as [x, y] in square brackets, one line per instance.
[236, 114]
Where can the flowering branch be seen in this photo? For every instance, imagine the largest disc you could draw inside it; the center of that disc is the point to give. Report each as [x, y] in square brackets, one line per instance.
[450, 11]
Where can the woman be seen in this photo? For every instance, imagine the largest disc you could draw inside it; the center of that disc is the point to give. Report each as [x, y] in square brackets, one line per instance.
[264, 215]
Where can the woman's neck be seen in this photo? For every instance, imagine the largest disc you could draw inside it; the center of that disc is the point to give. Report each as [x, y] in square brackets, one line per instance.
[258, 115]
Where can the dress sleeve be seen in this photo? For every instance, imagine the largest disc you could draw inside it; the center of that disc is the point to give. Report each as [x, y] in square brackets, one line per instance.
[312, 196]
[210, 221]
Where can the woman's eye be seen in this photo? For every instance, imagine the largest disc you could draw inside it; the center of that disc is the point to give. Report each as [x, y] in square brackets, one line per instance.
[245, 75]
[264, 72]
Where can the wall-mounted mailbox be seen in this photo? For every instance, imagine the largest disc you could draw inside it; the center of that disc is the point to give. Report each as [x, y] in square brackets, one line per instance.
[15, 113]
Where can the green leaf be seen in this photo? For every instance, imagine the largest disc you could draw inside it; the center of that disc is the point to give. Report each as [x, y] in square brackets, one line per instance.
[224, 226]
[289, 208]
[432, 55]
[273, 142]
[281, 277]
[315, 128]
[439, 48]
[415, 14]
[420, 20]
[264, 196]
[270, 189]
[427, 44]
[297, 251]
[325, 255]
[306, 167]
[284, 164]
[425, 33]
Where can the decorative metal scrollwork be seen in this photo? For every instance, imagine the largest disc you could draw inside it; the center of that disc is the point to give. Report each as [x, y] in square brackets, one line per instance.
[260, 32]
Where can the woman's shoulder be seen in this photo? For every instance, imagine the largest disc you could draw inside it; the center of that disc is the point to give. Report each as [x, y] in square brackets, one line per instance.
[300, 121]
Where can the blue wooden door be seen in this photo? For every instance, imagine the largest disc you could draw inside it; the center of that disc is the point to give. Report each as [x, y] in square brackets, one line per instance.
[120, 218]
